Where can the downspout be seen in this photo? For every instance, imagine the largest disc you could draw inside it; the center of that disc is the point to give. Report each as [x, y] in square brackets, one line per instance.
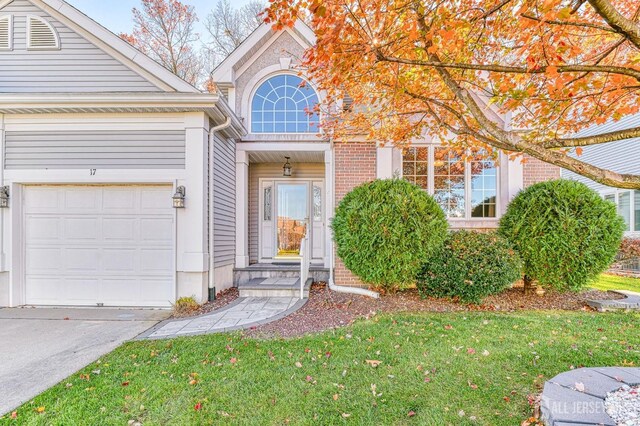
[212, 133]
[332, 285]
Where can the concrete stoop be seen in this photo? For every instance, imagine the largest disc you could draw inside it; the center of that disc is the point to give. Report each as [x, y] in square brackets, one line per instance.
[274, 287]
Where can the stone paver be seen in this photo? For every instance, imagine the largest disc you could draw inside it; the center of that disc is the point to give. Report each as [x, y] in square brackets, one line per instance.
[244, 313]
[577, 396]
[631, 302]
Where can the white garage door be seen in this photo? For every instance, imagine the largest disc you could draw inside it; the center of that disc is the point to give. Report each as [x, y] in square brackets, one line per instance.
[91, 245]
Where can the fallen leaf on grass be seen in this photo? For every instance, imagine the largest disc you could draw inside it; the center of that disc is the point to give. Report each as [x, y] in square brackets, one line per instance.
[14, 415]
[198, 406]
[335, 397]
[346, 415]
[298, 364]
[411, 413]
[125, 383]
[233, 360]
[373, 362]
[40, 410]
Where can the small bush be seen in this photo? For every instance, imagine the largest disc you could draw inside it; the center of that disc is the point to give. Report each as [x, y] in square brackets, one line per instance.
[565, 233]
[470, 267]
[385, 229]
[185, 306]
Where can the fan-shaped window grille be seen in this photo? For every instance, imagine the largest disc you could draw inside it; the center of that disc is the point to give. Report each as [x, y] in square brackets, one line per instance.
[6, 32]
[41, 35]
[284, 104]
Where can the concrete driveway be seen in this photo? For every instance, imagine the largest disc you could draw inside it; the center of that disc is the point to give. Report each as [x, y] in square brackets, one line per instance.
[39, 347]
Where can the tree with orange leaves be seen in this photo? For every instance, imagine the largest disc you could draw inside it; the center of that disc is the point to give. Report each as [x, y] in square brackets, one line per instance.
[522, 76]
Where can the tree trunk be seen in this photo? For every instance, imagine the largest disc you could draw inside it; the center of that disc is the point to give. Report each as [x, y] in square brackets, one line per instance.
[528, 285]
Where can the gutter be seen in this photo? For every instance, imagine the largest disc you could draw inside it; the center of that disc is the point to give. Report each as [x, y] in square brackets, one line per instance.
[212, 140]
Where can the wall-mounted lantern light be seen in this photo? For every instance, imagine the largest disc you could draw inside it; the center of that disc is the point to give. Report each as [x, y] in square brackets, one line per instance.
[286, 169]
[4, 197]
[178, 197]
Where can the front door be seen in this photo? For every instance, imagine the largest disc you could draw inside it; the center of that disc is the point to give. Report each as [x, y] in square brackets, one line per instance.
[288, 210]
[292, 203]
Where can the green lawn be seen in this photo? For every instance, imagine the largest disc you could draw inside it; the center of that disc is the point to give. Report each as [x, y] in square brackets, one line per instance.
[436, 369]
[611, 282]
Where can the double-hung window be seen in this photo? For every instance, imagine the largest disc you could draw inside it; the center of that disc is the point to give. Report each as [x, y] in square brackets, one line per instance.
[628, 205]
[464, 183]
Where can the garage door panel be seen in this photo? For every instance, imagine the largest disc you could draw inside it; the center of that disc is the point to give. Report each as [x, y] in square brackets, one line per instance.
[45, 291]
[99, 245]
[120, 260]
[44, 260]
[156, 230]
[153, 200]
[156, 261]
[79, 291]
[39, 229]
[120, 229]
[83, 260]
[42, 199]
[81, 200]
[81, 228]
[120, 200]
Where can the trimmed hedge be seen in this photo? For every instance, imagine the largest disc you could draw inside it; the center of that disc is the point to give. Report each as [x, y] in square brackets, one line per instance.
[385, 229]
[470, 267]
[564, 231]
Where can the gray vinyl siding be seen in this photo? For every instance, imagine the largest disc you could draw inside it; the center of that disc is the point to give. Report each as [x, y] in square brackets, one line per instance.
[79, 65]
[259, 171]
[142, 149]
[224, 199]
[622, 156]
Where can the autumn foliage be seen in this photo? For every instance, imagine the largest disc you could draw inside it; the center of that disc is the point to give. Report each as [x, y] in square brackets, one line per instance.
[523, 76]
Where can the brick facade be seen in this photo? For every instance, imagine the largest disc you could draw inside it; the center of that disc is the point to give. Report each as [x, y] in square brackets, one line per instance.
[535, 171]
[355, 163]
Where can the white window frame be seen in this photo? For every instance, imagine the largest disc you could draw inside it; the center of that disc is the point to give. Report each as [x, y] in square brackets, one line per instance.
[10, 35]
[467, 185]
[51, 27]
[632, 205]
[254, 90]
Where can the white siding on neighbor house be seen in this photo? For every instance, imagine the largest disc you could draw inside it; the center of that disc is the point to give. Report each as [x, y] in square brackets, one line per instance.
[95, 149]
[78, 66]
[224, 197]
[622, 156]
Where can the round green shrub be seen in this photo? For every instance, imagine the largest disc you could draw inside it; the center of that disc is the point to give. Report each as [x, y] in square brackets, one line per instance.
[385, 229]
[565, 233]
[470, 267]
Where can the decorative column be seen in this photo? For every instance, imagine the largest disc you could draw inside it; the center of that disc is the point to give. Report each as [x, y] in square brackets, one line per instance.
[242, 209]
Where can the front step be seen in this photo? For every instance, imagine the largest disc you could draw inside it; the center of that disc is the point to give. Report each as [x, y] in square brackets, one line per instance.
[269, 270]
[274, 287]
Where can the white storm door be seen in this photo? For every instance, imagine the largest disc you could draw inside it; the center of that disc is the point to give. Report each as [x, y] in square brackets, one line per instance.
[317, 220]
[266, 220]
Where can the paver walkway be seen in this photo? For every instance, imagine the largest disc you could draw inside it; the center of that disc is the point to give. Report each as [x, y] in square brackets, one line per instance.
[241, 314]
[630, 302]
[577, 396]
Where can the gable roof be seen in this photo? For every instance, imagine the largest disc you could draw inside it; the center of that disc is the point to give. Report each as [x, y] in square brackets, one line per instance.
[256, 42]
[113, 45]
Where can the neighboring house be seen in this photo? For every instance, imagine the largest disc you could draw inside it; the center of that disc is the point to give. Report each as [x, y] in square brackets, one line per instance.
[622, 157]
[96, 139]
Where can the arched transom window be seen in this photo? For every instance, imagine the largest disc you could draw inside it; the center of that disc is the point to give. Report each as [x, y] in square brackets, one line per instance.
[284, 104]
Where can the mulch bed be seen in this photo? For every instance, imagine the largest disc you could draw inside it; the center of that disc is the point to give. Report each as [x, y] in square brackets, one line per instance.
[222, 299]
[327, 309]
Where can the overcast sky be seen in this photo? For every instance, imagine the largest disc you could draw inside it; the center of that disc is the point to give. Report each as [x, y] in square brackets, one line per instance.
[116, 14]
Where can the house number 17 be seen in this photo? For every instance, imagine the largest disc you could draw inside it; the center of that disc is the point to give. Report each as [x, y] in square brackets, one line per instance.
[92, 172]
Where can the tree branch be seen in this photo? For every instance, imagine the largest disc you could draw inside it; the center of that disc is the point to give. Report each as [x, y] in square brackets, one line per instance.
[593, 140]
[617, 21]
